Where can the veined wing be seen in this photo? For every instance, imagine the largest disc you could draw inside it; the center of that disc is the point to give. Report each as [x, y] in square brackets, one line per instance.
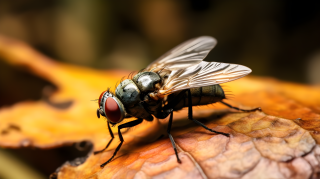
[187, 54]
[203, 74]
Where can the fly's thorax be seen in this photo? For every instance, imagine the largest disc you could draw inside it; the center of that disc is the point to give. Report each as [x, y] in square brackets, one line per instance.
[130, 95]
[147, 81]
[128, 92]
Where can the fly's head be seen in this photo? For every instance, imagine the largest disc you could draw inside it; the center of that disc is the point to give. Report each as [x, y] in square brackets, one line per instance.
[110, 107]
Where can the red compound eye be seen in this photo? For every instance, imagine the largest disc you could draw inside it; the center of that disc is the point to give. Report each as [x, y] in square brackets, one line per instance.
[112, 110]
[100, 98]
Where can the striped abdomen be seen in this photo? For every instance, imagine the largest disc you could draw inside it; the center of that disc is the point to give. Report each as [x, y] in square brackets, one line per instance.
[200, 96]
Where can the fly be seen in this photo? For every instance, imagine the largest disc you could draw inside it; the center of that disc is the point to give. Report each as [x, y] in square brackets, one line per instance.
[176, 80]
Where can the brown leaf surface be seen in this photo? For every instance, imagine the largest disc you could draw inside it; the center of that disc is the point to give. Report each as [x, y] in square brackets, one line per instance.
[280, 142]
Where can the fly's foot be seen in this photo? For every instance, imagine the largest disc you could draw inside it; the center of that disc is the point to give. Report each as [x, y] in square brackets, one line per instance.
[222, 133]
[179, 161]
[225, 134]
[105, 163]
[97, 152]
[257, 109]
[239, 109]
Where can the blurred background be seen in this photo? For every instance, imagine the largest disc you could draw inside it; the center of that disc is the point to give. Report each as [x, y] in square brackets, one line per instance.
[274, 38]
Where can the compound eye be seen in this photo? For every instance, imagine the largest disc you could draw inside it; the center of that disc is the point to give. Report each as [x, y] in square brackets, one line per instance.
[100, 97]
[112, 110]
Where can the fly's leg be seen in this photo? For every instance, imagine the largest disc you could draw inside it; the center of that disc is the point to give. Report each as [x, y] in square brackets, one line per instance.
[171, 138]
[244, 110]
[190, 116]
[112, 137]
[126, 125]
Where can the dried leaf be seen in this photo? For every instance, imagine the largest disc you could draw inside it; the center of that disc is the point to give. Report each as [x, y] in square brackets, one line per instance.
[280, 142]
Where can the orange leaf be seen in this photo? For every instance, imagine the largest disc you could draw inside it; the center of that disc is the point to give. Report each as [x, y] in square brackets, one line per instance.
[280, 142]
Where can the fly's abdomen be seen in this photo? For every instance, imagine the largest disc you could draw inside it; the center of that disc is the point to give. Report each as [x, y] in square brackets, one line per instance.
[202, 96]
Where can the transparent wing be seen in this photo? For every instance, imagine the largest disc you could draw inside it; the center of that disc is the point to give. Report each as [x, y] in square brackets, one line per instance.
[187, 54]
[203, 74]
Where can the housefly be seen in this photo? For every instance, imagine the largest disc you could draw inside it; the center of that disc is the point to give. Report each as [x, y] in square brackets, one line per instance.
[177, 79]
